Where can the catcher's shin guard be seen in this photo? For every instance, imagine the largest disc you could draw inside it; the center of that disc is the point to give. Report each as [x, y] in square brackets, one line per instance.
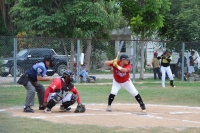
[51, 104]
[142, 105]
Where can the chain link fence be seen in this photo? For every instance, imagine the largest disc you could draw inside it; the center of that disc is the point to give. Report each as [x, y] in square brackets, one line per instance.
[19, 54]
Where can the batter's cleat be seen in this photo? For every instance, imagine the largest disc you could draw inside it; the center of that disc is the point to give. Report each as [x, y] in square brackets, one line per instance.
[143, 108]
[64, 109]
[47, 110]
[109, 108]
[172, 83]
[28, 109]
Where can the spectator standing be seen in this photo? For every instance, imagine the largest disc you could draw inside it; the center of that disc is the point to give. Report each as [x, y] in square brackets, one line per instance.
[179, 65]
[191, 65]
[156, 66]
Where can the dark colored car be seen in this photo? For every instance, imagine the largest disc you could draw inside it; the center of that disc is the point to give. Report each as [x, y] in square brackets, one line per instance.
[26, 58]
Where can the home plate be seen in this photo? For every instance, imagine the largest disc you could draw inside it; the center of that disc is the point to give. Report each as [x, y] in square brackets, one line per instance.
[139, 113]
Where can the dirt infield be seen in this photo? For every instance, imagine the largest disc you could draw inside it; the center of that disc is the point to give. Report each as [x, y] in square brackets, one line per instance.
[124, 115]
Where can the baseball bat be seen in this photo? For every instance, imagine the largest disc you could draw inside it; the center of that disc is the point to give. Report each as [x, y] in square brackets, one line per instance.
[120, 47]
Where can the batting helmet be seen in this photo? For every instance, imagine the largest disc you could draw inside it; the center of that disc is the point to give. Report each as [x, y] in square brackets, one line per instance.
[49, 58]
[124, 57]
[168, 50]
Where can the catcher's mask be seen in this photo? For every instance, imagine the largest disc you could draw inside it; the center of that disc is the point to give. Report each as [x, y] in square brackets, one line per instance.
[68, 73]
[50, 59]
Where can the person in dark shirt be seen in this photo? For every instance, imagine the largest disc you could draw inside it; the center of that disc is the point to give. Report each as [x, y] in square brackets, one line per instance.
[34, 74]
[191, 65]
[179, 64]
[165, 67]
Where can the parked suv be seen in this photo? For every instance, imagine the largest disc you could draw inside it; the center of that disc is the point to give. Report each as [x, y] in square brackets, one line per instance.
[26, 58]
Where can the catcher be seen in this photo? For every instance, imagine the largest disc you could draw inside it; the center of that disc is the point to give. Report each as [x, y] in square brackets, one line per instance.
[58, 92]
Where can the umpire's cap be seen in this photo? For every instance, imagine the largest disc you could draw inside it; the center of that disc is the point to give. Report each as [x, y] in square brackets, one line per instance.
[124, 57]
[51, 59]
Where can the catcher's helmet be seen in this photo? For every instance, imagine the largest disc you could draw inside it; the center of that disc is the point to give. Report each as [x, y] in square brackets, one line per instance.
[168, 50]
[124, 57]
[49, 58]
[67, 73]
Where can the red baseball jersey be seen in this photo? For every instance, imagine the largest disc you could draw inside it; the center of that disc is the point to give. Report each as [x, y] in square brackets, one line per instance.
[119, 76]
[57, 84]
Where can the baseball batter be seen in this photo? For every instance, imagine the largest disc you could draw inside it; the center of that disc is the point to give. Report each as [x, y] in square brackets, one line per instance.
[165, 67]
[121, 70]
[58, 92]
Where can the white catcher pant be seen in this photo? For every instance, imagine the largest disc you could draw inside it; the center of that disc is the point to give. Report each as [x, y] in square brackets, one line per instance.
[169, 73]
[66, 98]
[128, 85]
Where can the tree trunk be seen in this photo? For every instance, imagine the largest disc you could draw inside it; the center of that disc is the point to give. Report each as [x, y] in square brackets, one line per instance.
[88, 54]
[142, 61]
[72, 55]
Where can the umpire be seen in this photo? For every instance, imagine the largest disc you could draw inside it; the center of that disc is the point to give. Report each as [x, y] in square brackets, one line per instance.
[30, 81]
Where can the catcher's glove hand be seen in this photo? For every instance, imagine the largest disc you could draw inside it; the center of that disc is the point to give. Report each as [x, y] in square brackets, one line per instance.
[80, 109]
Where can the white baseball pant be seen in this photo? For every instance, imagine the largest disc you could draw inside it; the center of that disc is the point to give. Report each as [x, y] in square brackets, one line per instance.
[128, 85]
[169, 73]
[67, 97]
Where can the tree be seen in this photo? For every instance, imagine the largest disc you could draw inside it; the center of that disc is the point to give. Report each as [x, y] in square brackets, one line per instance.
[182, 24]
[145, 17]
[67, 19]
[7, 26]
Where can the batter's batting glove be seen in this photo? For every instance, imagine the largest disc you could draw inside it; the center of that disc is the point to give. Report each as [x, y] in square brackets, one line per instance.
[80, 109]
[163, 57]
[115, 60]
[115, 64]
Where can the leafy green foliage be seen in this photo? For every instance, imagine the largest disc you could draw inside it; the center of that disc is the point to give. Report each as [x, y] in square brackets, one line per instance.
[69, 18]
[182, 24]
[145, 17]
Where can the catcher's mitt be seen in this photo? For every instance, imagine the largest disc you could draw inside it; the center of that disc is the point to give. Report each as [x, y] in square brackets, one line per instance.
[80, 109]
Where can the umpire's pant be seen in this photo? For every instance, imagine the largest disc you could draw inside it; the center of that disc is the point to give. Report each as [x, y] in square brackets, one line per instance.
[30, 94]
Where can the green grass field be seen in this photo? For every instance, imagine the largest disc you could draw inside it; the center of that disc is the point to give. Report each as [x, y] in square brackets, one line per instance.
[185, 94]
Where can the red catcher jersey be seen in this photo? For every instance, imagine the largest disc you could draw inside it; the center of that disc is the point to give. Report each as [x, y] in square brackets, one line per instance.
[57, 84]
[119, 76]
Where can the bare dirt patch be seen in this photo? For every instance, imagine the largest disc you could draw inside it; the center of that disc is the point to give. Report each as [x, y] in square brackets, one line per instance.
[124, 115]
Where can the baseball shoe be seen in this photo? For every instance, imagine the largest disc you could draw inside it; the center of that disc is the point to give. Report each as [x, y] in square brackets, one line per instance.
[109, 108]
[64, 109]
[28, 109]
[172, 83]
[47, 110]
[185, 79]
[41, 108]
[143, 108]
